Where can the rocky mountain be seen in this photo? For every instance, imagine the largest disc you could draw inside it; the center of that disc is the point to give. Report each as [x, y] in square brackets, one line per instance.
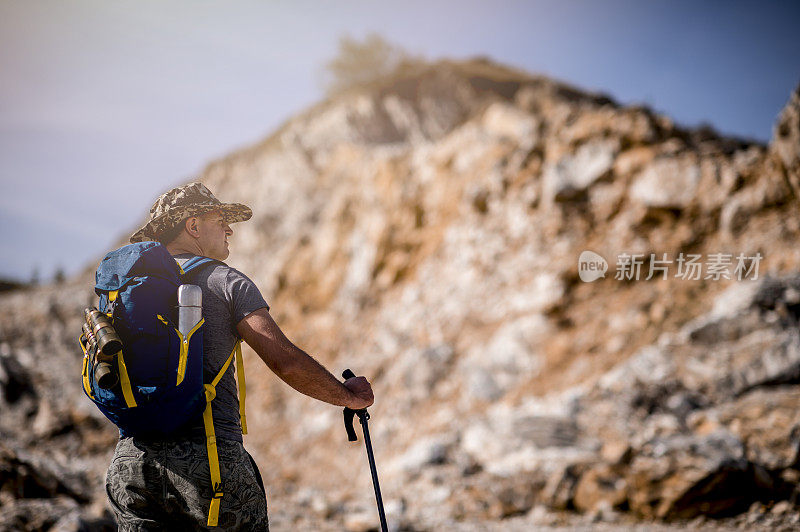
[425, 231]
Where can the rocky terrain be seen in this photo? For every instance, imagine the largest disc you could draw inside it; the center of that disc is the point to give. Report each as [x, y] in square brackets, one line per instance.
[425, 231]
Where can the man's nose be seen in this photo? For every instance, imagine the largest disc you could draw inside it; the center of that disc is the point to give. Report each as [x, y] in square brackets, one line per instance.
[228, 230]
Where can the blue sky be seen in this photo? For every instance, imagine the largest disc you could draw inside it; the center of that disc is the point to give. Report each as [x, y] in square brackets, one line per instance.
[105, 104]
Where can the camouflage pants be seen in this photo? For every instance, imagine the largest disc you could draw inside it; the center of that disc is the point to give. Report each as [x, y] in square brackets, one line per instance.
[166, 485]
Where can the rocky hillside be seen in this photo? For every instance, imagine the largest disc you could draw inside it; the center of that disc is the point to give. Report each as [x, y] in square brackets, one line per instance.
[425, 231]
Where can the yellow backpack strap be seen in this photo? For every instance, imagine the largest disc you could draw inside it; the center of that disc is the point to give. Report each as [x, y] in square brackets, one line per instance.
[87, 385]
[125, 382]
[222, 371]
[242, 384]
[211, 445]
[213, 458]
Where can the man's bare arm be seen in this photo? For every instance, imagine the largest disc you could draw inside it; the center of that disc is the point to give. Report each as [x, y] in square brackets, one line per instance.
[298, 369]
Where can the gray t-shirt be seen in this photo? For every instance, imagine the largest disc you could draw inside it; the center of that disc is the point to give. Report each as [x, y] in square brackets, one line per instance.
[228, 296]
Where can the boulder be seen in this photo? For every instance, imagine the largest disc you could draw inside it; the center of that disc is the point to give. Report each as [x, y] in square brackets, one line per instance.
[768, 422]
[683, 476]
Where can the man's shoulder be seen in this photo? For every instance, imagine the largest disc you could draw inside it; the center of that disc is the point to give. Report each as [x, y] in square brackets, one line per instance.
[218, 273]
[238, 289]
[234, 284]
[228, 272]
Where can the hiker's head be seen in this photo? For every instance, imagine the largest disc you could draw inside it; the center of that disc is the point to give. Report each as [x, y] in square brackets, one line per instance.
[205, 234]
[191, 219]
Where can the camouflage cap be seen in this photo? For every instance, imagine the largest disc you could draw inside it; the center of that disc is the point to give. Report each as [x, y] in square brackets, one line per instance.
[182, 202]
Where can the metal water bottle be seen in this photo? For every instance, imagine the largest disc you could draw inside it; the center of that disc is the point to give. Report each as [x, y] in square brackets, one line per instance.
[190, 307]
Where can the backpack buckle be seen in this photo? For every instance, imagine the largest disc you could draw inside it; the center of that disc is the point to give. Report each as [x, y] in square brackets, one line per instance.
[217, 491]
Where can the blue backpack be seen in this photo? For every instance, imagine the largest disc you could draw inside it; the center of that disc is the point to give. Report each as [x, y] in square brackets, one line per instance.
[160, 372]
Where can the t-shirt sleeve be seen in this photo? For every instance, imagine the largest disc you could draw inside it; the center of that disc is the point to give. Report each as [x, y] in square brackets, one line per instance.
[242, 295]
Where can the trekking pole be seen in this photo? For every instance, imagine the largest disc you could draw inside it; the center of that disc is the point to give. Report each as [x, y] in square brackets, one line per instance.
[363, 416]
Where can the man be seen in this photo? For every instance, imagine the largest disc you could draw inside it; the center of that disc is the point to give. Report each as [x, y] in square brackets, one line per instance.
[165, 484]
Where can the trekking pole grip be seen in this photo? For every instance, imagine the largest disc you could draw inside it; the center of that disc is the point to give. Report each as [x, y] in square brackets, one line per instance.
[349, 413]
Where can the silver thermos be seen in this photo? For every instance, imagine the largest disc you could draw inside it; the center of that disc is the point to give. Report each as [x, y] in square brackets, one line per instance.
[190, 307]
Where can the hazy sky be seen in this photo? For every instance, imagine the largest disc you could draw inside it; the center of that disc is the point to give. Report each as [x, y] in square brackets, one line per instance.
[106, 104]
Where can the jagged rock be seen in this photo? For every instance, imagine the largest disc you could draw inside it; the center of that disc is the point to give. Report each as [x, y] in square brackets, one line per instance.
[667, 183]
[27, 475]
[737, 211]
[513, 496]
[685, 476]
[425, 452]
[36, 514]
[421, 373]
[559, 492]
[568, 178]
[600, 487]
[768, 422]
[633, 126]
[688, 456]
[14, 379]
[718, 180]
[508, 356]
[536, 435]
[508, 121]
[733, 329]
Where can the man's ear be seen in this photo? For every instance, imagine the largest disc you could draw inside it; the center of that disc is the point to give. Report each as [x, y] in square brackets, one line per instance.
[192, 226]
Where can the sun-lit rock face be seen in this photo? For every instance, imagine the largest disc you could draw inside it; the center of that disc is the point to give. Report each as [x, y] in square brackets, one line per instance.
[425, 231]
[786, 140]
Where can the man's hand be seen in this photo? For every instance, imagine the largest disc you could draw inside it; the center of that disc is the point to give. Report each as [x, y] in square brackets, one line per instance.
[362, 393]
